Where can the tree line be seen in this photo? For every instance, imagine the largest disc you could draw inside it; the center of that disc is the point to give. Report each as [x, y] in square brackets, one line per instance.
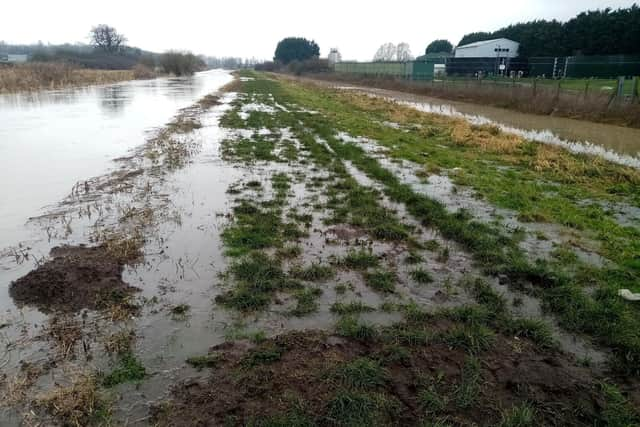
[596, 32]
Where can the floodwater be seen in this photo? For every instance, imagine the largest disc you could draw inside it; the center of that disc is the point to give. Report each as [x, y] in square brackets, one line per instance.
[51, 140]
[616, 143]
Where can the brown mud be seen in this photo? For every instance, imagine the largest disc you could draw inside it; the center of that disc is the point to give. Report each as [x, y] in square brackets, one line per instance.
[302, 380]
[76, 277]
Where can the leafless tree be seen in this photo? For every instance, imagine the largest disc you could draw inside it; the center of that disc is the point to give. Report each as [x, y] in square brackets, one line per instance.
[386, 53]
[403, 52]
[107, 38]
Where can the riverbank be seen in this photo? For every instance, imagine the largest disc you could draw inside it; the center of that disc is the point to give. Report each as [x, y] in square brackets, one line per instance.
[322, 257]
[43, 76]
[542, 99]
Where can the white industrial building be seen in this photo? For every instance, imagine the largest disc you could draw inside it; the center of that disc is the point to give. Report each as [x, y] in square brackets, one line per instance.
[496, 48]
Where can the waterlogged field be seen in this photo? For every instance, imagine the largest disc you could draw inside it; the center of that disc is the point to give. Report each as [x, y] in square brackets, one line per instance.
[283, 254]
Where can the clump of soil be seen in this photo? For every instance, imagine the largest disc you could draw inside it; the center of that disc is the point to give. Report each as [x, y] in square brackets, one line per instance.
[76, 277]
[311, 378]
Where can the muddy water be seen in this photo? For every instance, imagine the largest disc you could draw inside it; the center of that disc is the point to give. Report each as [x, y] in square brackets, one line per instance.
[595, 137]
[50, 140]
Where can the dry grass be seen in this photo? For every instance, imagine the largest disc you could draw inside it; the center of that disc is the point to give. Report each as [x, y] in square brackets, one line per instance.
[582, 168]
[65, 331]
[76, 404]
[15, 390]
[37, 76]
[486, 137]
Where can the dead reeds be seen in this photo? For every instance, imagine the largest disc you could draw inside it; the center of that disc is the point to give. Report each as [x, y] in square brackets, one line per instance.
[55, 75]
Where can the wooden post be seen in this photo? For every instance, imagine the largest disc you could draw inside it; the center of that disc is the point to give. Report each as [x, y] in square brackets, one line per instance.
[586, 89]
[535, 87]
[557, 97]
[634, 89]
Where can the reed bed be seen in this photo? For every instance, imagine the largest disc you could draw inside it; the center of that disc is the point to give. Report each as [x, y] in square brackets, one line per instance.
[44, 75]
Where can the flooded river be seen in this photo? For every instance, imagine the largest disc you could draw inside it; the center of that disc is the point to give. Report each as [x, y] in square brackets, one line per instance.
[51, 140]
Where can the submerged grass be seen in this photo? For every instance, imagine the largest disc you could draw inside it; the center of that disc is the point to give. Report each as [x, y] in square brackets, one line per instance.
[538, 182]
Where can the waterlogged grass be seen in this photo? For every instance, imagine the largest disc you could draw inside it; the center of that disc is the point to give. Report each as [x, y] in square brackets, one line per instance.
[538, 182]
[381, 281]
[128, 369]
[359, 260]
[353, 307]
[313, 273]
[256, 277]
[306, 302]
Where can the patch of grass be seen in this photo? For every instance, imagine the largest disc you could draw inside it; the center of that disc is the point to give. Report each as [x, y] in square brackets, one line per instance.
[421, 276]
[306, 302]
[289, 252]
[263, 355]
[534, 329]
[431, 401]
[238, 333]
[354, 408]
[472, 338]
[205, 361]
[523, 415]
[467, 392]
[353, 307]
[359, 260]
[348, 326]
[618, 411]
[254, 228]
[361, 373]
[257, 277]
[381, 281]
[313, 273]
[360, 207]
[129, 369]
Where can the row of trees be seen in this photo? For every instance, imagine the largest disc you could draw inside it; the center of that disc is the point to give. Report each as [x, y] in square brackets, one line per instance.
[389, 52]
[598, 32]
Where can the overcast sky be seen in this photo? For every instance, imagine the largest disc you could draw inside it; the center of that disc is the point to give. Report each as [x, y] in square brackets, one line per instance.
[252, 28]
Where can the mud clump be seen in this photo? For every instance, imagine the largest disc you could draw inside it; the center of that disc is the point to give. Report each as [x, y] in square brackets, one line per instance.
[76, 277]
[317, 379]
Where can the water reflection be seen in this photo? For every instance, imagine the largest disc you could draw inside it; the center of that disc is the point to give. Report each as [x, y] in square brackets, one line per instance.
[113, 99]
[49, 140]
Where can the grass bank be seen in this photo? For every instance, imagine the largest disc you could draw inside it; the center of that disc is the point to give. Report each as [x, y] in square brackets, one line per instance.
[570, 99]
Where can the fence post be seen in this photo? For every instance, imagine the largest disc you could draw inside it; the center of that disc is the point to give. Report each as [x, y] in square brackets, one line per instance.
[557, 96]
[620, 89]
[634, 89]
[535, 86]
[586, 89]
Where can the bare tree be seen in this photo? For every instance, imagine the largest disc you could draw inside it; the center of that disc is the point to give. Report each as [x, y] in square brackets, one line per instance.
[403, 52]
[386, 53]
[107, 38]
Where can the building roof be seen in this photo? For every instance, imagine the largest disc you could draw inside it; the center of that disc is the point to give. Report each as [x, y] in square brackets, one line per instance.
[483, 42]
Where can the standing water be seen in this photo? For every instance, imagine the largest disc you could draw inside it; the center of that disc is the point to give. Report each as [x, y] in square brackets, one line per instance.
[51, 140]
